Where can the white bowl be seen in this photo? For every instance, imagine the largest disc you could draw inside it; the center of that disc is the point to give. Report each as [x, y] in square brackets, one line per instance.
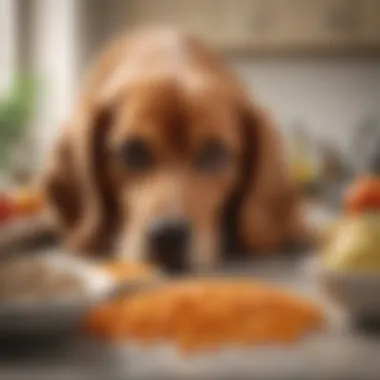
[356, 293]
[60, 314]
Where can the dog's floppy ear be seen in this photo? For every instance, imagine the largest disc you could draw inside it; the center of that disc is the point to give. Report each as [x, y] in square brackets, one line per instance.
[77, 186]
[77, 183]
[60, 184]
[269, 215]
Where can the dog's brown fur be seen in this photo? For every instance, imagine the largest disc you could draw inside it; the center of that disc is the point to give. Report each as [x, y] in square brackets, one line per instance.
[172, 92]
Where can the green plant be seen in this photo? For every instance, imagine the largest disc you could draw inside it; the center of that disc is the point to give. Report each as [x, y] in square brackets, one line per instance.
[15, 111]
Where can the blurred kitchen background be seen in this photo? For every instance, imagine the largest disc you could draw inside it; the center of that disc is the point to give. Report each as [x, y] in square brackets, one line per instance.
[315, 64]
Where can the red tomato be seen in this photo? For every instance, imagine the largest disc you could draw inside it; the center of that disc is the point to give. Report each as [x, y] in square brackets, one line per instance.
[363, 195]
[6, 209]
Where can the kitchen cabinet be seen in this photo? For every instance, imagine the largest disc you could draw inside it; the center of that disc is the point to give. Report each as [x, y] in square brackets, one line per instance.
[269, 25]
[197, 16]
[370, 31]
[315, 23]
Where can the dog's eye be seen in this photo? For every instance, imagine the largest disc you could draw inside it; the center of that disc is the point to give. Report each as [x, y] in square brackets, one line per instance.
[212, 157]
[136, 156]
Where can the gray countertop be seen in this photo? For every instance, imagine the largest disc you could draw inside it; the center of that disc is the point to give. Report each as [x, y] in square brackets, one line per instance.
[341, 352]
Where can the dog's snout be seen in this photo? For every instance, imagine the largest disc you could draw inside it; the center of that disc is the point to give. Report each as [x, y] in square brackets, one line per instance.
[172, 235]
[168, 240]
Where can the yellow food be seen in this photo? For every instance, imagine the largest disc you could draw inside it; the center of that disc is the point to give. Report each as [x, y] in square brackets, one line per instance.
[207, 314]
[329, 231]
[356, 245]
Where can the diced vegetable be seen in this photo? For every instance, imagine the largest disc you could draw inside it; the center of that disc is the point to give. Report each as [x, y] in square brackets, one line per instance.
[7, 209]
[363, 195]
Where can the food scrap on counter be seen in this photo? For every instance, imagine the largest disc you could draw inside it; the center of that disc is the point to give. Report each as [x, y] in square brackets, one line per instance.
[206, 314]
[128, 270]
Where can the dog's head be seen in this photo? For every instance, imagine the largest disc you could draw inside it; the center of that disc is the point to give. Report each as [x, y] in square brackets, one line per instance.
[167, 161]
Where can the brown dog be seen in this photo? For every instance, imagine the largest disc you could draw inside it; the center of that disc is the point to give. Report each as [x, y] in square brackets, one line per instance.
[167, 154]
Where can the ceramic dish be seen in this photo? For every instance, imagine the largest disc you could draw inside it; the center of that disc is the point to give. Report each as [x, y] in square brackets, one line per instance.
[355, 293]
[62, 312]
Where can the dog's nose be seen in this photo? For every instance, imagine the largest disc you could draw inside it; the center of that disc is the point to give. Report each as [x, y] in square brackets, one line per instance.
[168, 241]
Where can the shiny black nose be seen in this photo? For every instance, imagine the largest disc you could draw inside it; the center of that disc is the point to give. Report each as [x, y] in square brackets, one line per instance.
[168, 244]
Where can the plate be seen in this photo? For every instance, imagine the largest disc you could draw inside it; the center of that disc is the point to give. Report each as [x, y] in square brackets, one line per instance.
[64, 313]
[355, 293]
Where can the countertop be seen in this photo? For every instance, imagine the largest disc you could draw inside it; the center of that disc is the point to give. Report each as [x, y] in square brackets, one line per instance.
[341, 352]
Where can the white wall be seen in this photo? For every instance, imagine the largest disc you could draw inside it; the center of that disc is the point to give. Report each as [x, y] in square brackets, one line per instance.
[331, 96]
[55, 46]
[65, 36]
[8, 49]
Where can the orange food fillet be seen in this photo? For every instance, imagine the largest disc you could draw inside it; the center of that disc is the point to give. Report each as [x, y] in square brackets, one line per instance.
[209, 314]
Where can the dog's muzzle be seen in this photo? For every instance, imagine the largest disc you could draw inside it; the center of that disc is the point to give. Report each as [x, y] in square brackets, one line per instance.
[168, 242]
